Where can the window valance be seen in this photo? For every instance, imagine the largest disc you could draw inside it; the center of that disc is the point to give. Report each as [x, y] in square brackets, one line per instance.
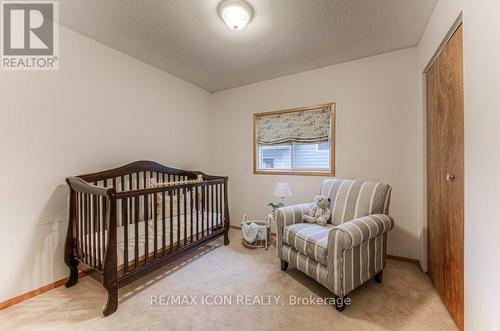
[298, 127]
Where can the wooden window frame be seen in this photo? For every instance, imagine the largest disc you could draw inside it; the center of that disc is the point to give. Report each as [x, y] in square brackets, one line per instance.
[331, 172]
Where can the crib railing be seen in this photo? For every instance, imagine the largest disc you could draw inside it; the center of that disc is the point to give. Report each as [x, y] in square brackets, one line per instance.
[177, 217]
[174, 225]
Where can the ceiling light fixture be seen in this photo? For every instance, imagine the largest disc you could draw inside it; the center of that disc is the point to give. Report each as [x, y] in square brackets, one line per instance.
[235, 13]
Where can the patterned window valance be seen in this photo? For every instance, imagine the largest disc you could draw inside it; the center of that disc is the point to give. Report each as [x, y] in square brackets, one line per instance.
[298, 127]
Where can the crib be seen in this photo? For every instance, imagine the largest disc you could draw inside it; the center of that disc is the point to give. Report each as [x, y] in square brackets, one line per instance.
[127, 222]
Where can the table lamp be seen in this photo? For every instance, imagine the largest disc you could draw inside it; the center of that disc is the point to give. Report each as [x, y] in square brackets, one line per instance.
[282, 191]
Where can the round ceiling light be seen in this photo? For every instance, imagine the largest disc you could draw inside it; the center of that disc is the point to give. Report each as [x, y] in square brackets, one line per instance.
[235, 13]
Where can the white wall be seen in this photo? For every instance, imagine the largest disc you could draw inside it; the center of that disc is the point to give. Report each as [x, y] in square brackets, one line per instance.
[482, 149]
[482, 164]
[101, 109]
[376, 136]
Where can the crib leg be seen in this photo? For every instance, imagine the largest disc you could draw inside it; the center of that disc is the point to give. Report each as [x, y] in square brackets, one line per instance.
[226, 230]
[69, 254]
[73, 272]
[112, 303]
[226, 237]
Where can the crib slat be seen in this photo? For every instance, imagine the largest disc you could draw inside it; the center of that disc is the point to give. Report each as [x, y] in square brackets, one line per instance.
[219, 208]
[163, 222]
[178, 192]
[98, 229]
[171, 198]
[130, 183]
[217, 205]
[191, 214]
[155, 225]
[80, 224]
[94, 230]
[184, 197]
[221, 198]
[211, 208]
[88, 230]
[146, 227]
[103, 226]
[136, 231]
[207, 208]
[203, 189]
[91, 230]
[93, 250]
[105, 184]
[197, 199]
[125, 233]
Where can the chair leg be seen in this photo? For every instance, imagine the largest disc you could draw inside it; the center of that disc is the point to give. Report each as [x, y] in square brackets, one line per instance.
[378, 277]
[339, 303]
[284, 265]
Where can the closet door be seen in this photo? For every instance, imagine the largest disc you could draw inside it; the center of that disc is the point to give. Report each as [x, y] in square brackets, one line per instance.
[445, 176]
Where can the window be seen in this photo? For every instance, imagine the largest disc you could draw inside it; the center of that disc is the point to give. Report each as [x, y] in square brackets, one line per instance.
[297, 141]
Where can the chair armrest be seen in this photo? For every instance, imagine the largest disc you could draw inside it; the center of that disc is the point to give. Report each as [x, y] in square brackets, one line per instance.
[342, 280]
[353, 233]
[292, 214]
[289, 215]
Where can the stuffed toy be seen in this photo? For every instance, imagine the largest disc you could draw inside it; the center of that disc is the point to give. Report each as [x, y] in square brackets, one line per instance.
[320, 213]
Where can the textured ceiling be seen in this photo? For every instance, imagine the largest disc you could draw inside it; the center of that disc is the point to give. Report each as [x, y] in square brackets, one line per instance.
[187, 38]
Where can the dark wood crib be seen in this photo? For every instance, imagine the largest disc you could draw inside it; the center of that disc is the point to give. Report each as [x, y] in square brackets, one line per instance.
[126, 222]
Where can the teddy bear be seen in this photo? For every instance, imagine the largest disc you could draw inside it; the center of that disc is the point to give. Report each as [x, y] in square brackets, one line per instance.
[320, 213]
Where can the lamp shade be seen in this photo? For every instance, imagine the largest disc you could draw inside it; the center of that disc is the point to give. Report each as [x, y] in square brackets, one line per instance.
[282, 190]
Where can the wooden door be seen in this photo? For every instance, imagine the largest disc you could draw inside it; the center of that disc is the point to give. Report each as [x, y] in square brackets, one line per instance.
[445, 176]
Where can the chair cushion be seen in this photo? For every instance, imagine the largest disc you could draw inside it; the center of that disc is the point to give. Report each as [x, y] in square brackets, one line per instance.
[308, 239]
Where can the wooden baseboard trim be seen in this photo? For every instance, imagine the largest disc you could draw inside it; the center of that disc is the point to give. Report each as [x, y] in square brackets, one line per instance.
[406, 259]
[401, 258]
[34, 293]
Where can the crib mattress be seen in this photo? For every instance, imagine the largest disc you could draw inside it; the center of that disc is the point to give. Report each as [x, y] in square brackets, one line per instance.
[185, 220]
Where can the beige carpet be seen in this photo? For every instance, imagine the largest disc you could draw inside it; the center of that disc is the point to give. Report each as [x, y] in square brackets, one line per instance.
[404, 301]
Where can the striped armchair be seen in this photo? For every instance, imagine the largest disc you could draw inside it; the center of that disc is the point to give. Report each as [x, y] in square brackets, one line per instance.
[348, 251]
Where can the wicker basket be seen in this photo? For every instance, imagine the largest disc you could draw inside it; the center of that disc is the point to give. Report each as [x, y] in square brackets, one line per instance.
[258, 243]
